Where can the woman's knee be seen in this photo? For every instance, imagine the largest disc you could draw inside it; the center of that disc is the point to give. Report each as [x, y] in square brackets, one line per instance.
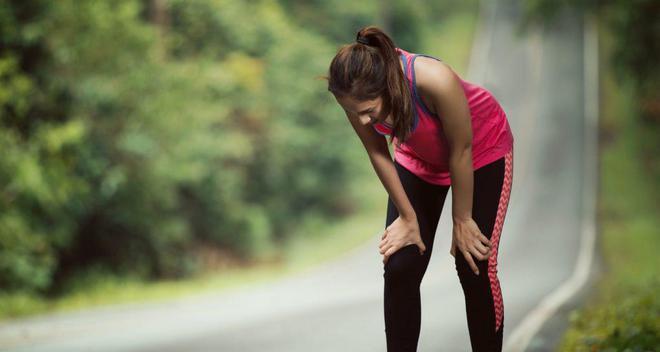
[405, 264]
[464, 270]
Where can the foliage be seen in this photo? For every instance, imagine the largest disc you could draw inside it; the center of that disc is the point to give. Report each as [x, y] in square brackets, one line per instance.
[629, 325]
[136, 131]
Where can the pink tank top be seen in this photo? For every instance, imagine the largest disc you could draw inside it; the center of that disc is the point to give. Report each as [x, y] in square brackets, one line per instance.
[426, 152]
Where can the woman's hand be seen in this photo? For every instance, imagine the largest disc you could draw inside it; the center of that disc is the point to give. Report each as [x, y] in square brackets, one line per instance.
[400, 233]
[470, 241]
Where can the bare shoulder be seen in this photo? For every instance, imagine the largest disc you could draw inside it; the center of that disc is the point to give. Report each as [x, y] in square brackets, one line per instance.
[437, 83]
[432, 74]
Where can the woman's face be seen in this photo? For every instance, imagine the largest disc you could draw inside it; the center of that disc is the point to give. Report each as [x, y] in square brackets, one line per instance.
[366, 111]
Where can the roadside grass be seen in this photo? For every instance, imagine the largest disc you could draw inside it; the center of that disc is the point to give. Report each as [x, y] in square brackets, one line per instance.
[315, 242]
[624, 313]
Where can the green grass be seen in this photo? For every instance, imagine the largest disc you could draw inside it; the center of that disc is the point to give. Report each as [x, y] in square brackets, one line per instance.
[624, 313]
[315, 241]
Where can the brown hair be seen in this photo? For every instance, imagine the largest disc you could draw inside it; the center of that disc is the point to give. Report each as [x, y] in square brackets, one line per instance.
[369, 68]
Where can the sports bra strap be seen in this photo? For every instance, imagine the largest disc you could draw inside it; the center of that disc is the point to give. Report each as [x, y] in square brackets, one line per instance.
[414, 84]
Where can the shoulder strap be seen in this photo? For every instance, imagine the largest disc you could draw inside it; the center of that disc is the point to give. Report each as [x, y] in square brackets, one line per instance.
[414, 84]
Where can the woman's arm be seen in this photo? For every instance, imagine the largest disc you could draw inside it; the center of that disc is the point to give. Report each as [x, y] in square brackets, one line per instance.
[405, 229]
[381, 160]
[439, 82]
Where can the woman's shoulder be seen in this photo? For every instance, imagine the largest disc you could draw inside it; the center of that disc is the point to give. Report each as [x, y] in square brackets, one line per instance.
[430, 71]
[432, 77]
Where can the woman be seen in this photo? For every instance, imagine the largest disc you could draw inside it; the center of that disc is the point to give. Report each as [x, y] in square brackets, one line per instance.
[446, 131]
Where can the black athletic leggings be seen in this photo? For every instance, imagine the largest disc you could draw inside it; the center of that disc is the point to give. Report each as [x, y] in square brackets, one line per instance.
[405, 268]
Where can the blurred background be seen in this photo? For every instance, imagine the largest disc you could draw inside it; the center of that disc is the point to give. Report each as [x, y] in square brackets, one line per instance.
[152, 150]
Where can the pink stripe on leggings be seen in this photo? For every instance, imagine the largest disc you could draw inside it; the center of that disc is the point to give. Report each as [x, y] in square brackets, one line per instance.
[495, 239]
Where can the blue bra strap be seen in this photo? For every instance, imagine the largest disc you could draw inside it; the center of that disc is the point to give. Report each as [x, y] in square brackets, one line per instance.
[415, 93]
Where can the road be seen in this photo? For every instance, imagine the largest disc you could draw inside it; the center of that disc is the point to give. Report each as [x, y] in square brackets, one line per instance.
[538, 79]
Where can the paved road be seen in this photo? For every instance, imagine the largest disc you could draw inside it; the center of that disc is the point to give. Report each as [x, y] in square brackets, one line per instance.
[538, 78]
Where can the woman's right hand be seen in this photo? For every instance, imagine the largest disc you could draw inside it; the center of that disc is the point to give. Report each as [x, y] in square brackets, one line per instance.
[400, 233]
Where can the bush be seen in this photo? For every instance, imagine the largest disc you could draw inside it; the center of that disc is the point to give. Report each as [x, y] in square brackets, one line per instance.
[630, 322]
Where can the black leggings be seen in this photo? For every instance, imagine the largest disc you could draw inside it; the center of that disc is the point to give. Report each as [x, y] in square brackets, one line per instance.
[405, 268]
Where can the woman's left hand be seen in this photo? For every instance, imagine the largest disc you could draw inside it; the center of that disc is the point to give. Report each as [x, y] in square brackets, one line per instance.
[470, 241]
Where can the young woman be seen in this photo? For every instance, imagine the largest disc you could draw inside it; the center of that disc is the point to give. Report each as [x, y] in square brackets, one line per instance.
[446, 131]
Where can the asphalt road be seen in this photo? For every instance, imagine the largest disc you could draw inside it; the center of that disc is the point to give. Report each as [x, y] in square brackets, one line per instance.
[538, 79]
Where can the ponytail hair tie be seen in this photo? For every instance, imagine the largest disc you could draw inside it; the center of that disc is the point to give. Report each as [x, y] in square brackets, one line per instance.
[362, 40]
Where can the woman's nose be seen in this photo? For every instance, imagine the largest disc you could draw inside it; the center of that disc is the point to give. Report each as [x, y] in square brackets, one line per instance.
[365, 119]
